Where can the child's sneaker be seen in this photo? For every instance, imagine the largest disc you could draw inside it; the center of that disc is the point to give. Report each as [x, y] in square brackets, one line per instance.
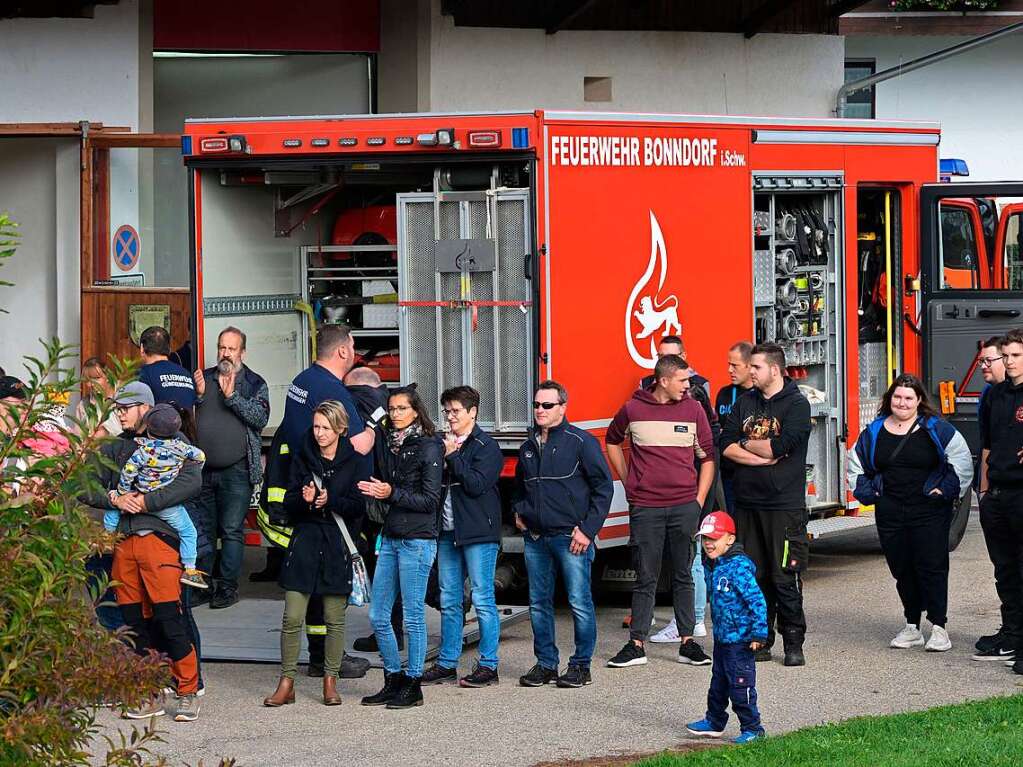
[192, 577]
[746, 737]
[704, 729]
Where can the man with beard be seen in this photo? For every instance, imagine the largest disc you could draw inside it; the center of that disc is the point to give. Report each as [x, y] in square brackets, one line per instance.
[233, 406]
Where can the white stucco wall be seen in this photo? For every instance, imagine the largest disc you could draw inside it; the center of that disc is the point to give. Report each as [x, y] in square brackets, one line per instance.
[66, 70]
[976, 96]
[56, 70]
[472, 68]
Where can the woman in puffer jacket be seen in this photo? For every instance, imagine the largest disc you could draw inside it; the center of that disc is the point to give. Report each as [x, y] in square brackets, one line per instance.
[913, 466]
[408, 468]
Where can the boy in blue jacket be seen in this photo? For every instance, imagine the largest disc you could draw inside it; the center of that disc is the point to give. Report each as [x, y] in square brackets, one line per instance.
[739, 613]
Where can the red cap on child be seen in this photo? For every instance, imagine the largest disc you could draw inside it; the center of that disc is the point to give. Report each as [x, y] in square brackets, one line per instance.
[716, 524]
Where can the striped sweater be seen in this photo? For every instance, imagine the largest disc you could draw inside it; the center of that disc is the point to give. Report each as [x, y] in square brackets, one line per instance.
[666, 439]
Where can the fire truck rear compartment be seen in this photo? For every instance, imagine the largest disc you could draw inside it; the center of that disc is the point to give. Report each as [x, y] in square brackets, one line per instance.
[430, 265]
[798, 302]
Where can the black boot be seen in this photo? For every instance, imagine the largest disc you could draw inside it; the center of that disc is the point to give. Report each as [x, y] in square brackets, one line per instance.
[794, 650]
[274, 559]
[411, 694]
[393, 684]
[369, 644]
[316, 643]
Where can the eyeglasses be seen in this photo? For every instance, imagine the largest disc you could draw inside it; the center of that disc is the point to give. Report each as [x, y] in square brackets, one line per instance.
[545, 405]
[986, 362]
[398, 409]
[454, 412]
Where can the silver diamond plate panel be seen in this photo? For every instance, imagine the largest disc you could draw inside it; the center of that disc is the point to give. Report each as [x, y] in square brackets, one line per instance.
[236, 306]
[492, 358]
[763, 278]
[873, 380]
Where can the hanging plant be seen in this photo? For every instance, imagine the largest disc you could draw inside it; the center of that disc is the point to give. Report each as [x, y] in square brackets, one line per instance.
[964, 6]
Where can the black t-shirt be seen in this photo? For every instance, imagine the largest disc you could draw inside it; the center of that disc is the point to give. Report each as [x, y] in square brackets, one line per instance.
[904, 479]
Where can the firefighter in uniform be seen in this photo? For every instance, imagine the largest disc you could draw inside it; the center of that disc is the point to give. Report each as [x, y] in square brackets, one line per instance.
[335, 356]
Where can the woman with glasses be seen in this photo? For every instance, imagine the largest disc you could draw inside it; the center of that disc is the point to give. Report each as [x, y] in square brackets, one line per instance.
[470, 536]
[912, 466]
[409, 464]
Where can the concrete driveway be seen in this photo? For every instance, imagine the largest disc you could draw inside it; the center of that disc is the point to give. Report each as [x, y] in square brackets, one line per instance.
[852, 610]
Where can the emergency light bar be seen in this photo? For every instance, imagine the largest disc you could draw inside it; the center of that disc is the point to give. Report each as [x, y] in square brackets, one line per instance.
[949, 166]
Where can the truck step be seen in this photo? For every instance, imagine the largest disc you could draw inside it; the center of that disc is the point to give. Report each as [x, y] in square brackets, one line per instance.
[818, 528]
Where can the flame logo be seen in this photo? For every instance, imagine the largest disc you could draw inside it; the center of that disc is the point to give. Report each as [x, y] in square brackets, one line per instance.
[653, 314]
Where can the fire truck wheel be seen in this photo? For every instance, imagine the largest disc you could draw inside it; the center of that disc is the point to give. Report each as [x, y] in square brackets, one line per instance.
[960, 518]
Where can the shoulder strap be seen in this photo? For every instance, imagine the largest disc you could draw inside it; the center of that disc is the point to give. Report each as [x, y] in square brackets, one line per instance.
[354, 552]
[903, 441]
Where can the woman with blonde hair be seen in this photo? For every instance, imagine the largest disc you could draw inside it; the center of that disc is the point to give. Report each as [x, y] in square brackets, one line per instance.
[320, 497]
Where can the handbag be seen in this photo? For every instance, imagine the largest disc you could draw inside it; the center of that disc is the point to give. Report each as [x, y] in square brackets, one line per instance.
[361, 585]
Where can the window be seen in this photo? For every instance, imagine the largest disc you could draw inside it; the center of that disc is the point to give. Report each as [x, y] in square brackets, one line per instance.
[1013, 255]
[596, 89]
[960, 266]
[860, 104]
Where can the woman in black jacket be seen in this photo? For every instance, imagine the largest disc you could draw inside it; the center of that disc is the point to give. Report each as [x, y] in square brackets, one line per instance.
[321, 489]
[409, 465]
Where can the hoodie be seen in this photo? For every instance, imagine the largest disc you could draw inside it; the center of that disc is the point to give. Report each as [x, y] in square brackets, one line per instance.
[785, 420]
[666, 441]
[737, 605]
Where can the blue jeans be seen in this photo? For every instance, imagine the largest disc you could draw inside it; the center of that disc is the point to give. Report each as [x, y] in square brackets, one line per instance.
[734, 677]
[729, 489]
[545, 556]
[403, 564]
[108, 612]
[224, 501]
[699, 584]
[478, 561]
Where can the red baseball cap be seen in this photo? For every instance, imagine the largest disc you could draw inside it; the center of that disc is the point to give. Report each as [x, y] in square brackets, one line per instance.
[716, 524]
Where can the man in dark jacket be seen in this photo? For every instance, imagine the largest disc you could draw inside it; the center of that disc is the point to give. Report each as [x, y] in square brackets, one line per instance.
[232, 408]
[1001, 489]
[766, 436]
[469, 540]
[563, 494]
[146, 563]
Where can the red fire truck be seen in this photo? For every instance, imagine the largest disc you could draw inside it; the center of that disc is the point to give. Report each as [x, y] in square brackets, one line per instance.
[499, 249]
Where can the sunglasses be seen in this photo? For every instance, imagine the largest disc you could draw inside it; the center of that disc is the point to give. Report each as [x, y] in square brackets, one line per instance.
[545, 405]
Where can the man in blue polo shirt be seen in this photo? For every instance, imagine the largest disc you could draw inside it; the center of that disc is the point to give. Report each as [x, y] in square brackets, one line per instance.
[170, 382]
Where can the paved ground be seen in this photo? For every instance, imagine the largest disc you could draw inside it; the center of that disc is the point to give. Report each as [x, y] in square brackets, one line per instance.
[852, 610]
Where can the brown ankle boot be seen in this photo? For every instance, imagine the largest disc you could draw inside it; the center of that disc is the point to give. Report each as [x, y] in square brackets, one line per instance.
[330, 693]
[285, 693]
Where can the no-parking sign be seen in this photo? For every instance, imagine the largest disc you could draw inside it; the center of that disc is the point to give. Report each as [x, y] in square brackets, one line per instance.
[127, 248]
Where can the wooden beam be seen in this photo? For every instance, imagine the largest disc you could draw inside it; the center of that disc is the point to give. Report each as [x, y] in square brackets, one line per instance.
[136, 140]
[759, 17]
[568, 15]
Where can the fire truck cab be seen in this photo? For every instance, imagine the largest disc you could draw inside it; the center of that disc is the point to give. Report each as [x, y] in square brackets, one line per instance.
[500, 249]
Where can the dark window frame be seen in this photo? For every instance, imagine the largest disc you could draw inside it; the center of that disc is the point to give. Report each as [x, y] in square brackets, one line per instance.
[867, 95]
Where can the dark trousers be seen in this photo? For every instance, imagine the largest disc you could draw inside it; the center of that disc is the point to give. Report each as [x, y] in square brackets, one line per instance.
[108, 612]
[649, 528]
[733, 678]
[914, 539]
[224, 502]
[776, 541]
[1001, 517]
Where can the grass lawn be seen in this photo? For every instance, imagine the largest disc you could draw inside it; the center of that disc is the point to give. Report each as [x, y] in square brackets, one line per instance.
[986, 733]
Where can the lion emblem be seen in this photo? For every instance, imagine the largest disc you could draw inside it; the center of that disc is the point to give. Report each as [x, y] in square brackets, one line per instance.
[664, 316]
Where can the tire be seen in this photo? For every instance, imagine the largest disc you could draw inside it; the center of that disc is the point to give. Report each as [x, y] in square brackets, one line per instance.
[960, 518]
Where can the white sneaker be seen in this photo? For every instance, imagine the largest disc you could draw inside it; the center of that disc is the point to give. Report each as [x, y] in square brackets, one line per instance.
[909, 637]
[668, 634]
[939, 641]
[700, 629]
